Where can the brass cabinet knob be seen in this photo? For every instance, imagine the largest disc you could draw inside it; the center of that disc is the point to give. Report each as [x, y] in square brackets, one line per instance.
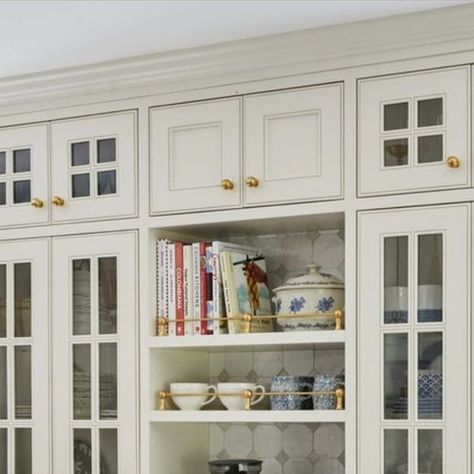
[227, 184]
[453, 162]
[252, 182]
[36, 202]
[57, 201]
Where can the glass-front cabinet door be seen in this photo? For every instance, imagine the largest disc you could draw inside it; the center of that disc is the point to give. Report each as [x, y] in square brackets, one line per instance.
[414, 343]
[24, 175]
[24, 374]
[94, 163]
[414, 132]
[94, 359]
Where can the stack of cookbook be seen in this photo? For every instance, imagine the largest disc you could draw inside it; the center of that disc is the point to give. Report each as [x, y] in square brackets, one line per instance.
[204, 287]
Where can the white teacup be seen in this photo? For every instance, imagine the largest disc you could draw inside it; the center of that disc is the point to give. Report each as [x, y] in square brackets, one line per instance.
[192, 396]
[232, 394]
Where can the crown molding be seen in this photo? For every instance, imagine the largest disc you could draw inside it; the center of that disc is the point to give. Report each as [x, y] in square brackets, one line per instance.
[441, 31]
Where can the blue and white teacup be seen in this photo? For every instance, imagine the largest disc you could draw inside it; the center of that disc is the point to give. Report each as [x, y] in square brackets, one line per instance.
[326, 383]
[292, 383]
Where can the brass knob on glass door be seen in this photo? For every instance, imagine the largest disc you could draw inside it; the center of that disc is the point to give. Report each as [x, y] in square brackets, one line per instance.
[252, 182]
[227, 184]
[453, 162]
[57, 201]
[36, 202]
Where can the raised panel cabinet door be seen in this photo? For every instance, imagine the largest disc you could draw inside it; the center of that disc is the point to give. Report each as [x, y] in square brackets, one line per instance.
[94, 167]
[24, 357]
[413, 132]
[293, 145]
[24, 175]
[195, 156]
[94, 354]
[414, 340]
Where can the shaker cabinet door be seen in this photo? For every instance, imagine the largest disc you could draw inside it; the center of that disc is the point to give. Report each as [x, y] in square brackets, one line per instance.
[293, 145]
[94, 163]
[414, 342]
[94, 354]
[24, 175]
[24, 358]
[195, 156]
[414, 132]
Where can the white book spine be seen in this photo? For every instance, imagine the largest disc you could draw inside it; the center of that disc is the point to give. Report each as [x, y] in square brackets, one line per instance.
[160, 264]
[171, 290]
[188, 290]
[196, 286]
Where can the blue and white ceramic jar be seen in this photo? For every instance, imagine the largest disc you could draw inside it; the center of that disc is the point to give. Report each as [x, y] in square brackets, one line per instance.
[326, 383]
[292, 383]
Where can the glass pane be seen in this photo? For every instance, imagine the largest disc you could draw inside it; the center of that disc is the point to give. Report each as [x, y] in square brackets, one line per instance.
[3, 162]
[396, 376]
[430, 375]
[430, 452]
[3, 384]
[81, 354]
[430, 149]
[395, 152]
[3, 301]
[22, 273]
[430, 112]
[23, 382]
[108, 380]
[83, 451]
[106, 150]
[107, 295]
[80, 185]
[21, 191]
[430, 278]
[108, 451]
[80, 154]
[3, 194]
[23, 451]
[395, 452]
[81, 296]
[3, 450]
[106, 182]
[396, 280]
[21, 161]
[395, 116]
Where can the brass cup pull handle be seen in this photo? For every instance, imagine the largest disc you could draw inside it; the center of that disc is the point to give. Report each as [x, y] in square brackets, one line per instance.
[453, 162]
[252, 182]
[227, 184]
[37, 202]
[57, 201]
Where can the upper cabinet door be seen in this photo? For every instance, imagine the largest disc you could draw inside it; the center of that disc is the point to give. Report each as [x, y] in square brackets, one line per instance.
[94, 163]
[24, 175]
[195, 156]
[293, 145]
[414, 132]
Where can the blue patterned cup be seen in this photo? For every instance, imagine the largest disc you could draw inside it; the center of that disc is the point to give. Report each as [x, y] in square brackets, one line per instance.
[292, 383]
[326, 383]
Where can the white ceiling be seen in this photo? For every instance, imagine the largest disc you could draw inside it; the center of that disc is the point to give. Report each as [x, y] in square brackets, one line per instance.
[42, 35]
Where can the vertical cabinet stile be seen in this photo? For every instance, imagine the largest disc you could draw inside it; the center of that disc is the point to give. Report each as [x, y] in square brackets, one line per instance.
[94, 422]
[413, 340]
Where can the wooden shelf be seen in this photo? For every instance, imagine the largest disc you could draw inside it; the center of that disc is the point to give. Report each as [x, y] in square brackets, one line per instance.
[254, 341]
[251, 416]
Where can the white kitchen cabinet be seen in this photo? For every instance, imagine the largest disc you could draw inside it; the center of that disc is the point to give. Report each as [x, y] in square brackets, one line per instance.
[24, 175]
[24, 357]
[94, 167]
[94, 354]
[195, 156]
[293, 148]
[414, 132]
[414, 343]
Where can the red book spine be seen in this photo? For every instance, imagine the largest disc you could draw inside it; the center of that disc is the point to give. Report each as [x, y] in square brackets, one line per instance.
[179, 288]
[203, 286]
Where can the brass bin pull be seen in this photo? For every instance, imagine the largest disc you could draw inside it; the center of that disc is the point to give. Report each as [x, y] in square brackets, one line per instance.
[453, 162]
[227, 184]
[37, 202]
[57, 201]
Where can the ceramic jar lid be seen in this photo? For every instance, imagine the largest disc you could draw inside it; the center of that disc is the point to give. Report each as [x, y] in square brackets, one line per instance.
[312, 279]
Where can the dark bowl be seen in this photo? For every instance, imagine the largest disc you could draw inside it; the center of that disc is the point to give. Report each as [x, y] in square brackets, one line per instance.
[235, 466]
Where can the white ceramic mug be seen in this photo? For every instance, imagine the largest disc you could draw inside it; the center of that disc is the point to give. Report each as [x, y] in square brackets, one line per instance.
[237, 402]
[188, 401]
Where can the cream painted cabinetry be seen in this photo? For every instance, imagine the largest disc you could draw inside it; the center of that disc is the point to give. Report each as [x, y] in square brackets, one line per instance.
[414, 132]
[292, 151]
